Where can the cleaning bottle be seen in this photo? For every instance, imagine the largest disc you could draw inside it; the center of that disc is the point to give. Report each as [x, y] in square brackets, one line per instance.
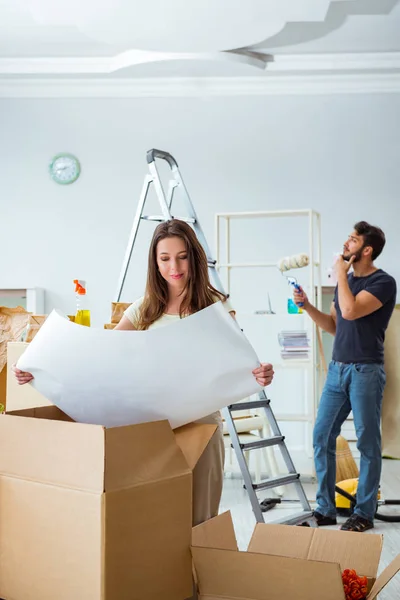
[82, 316]
[292, 308]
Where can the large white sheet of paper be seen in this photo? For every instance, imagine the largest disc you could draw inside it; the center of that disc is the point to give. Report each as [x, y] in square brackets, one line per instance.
[180, 372]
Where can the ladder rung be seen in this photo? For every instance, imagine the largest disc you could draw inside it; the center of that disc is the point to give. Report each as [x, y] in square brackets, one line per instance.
[294, 519]
[249, 405]
[276, 481]
[161, 219]
[263, 443]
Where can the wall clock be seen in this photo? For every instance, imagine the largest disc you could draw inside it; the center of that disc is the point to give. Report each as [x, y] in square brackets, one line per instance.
[64, 168]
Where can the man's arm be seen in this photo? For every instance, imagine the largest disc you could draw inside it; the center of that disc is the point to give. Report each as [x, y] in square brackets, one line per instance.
[355, 307]
[326, 322]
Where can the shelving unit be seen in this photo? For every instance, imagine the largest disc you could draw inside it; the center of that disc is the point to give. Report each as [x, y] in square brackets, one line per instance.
[32, 299]
[260, 328]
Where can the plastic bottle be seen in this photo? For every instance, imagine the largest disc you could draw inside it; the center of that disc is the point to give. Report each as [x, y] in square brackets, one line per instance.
[82, 316]
[292, 308]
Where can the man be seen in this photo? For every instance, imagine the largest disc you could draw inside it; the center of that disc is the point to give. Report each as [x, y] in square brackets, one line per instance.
[359, 315]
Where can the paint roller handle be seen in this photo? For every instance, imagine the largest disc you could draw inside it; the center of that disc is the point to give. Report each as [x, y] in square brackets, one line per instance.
[154, 153]
[299, 290]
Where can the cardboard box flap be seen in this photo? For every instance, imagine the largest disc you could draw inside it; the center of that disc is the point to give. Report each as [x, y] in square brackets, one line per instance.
[193, 439]
[339, 547]
[215, 533]
[280, 540]
[55, 452]
[244, 575]
[50, 412]
[384, 578]
[139, 454]
[361, 553]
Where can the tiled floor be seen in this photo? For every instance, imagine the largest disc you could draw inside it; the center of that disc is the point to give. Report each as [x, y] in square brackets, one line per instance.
[234, 498]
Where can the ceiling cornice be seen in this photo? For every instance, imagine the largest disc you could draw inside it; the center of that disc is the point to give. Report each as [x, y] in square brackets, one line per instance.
[284, 74]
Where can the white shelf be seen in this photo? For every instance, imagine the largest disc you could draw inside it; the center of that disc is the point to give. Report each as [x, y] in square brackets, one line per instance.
[305, 212]
[32, 299]
[252, 264]
[299, 390]
[292, 417]
[293, 364]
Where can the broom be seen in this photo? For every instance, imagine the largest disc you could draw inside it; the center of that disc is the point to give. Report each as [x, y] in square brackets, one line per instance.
[346, 467]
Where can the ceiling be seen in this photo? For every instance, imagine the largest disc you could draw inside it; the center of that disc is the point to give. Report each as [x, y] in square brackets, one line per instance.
[115, 39]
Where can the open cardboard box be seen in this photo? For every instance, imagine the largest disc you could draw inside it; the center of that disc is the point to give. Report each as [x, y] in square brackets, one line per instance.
[93, 513]
[283, 562]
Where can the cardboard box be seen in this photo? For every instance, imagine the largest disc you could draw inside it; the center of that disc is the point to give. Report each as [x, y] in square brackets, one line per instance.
[117, 310]
[3, 388]
[13, 323]
[95, 513]
[35, 323]
[283, 562]
[110, 325]
[20, 396]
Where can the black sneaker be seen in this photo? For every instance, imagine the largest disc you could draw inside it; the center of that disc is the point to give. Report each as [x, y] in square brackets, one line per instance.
[322, 520]
[357, 523]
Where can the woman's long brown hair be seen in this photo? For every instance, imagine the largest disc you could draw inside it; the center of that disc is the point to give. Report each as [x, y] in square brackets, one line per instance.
[198, 293]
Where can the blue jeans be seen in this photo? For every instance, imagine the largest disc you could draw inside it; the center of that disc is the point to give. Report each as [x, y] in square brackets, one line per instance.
[357, 387]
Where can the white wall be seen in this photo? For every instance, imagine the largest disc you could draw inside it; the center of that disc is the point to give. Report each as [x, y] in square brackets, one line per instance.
[337, 154]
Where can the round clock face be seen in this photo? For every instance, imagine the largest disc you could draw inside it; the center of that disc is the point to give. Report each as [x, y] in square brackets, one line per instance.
[64, 168]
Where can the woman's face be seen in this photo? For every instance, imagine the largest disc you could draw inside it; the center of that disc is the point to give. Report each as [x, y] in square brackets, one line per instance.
[172, 261]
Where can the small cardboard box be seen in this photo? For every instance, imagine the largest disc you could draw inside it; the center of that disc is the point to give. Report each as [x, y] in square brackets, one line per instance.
[3, 387]
[20, 396]
[13, 322]
[35, 323]
[95, 513]
[283, 562]
[110, 325]
[117, 310]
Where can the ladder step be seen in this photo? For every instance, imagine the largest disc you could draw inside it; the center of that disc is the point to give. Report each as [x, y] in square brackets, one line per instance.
[249, 405]
[295, 519]
[263, 443]
[277, 481]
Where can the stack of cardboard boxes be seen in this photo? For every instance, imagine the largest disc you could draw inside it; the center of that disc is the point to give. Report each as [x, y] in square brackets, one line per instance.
[105, 514]
[93, 513]
[117, 311]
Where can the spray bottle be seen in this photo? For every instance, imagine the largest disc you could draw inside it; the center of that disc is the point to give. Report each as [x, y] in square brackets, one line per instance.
[82, 316]
[292, 308]
[293, 262]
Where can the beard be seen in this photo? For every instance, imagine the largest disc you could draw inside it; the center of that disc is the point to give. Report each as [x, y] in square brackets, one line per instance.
[357, 255]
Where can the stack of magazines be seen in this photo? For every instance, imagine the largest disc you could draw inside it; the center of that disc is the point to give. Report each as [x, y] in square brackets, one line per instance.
[294, 344]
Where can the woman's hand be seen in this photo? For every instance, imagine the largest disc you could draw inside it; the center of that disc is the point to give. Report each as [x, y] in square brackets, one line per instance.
[264, 374]
[22, 377]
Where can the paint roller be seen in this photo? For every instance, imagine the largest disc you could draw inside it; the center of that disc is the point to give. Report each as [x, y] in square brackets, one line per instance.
[297, 261]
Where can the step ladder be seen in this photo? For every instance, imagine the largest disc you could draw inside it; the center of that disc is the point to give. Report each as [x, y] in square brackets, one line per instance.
[277, 439]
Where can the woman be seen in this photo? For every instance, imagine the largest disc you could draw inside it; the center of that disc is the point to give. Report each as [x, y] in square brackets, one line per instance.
[178, 285]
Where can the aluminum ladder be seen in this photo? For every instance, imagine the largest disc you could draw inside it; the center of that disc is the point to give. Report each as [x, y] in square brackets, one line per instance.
[277, 439]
